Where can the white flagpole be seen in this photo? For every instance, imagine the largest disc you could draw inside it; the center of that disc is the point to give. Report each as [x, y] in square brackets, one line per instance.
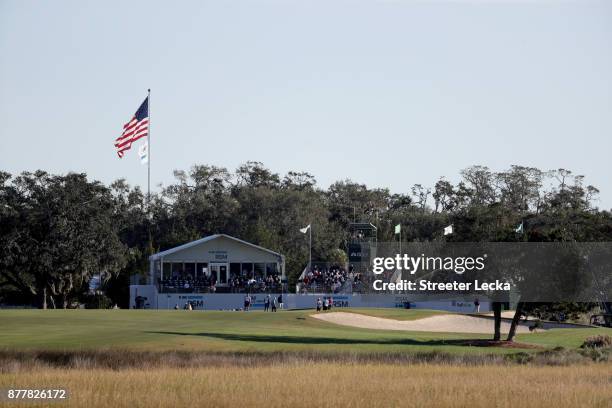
[149, 153]
[151, 271]
[310, 247]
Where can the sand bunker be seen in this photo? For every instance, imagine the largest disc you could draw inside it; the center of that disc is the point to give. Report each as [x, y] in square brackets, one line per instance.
[441, 323]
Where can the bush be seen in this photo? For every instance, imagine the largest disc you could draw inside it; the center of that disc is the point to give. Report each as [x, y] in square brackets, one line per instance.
[599, 341]
[520, 358]
[537, 324]
[97, 301]
[598, 355]
[560, 356]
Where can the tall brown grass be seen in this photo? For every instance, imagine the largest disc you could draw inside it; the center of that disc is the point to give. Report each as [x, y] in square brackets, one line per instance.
[296, 384]
[117, 359]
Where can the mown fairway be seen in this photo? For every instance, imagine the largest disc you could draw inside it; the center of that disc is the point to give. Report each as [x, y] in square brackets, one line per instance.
[324, 384]
[237, 332]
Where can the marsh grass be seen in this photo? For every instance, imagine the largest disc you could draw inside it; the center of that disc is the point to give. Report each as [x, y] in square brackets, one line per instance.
[117, 359]
[114, 359]
[299, 383]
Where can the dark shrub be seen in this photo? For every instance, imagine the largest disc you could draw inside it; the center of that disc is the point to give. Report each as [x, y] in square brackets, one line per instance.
[97, 301]
[599, 341]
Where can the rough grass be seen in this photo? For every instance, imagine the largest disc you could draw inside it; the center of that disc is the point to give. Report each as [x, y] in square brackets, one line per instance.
[294, 384]
[14, 361]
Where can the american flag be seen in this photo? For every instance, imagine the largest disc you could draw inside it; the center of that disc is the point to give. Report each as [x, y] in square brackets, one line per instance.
[136, 128]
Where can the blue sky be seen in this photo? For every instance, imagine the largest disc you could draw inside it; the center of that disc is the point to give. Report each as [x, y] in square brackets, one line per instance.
[388, 93]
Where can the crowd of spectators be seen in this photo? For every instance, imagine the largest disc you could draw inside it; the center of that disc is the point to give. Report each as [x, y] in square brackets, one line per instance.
[259, 284]
[188, 283]
[209, 284]
[325, 279]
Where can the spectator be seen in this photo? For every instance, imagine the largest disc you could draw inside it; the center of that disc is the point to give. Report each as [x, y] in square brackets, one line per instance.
[267, 303]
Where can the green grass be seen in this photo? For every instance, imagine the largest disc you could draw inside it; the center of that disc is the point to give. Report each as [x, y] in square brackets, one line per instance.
[217, 331]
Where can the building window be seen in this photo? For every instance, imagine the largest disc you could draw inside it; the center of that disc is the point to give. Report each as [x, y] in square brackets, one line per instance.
[201, 269]
[177, 269]
[190, 270]
[234, 269]
[247, 270]
[271, 269]
[260, 269]
[223, 274]
[167, 269]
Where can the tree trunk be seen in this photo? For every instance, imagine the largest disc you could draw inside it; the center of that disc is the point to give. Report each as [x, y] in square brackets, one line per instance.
[497, 306]
[64, 302]
[52, 301]
[44, 298]
[515, 321]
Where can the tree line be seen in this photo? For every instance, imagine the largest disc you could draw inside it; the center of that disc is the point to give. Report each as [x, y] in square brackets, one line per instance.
[60, 231]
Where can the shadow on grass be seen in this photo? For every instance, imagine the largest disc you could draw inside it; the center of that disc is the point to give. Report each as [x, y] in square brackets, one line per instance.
[334, 340]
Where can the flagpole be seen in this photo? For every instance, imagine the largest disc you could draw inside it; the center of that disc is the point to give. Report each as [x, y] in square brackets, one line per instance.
[152, 271]
[149, 153]
[400, 239]
[310, 247]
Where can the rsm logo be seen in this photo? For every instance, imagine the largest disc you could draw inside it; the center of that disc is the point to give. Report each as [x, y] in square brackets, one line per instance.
[197, 302]
[340, 301]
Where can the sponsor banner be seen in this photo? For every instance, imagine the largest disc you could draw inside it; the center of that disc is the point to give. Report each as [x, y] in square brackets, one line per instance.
[292, 301]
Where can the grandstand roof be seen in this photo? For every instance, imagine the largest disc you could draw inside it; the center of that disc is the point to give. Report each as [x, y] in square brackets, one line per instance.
[362, 225]
[207, 239]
